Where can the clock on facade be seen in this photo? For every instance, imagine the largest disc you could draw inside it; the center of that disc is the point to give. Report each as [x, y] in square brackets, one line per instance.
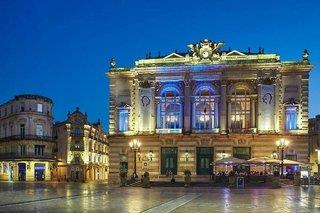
[205, 52]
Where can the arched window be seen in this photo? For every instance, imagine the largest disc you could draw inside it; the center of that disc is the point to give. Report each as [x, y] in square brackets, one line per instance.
[240, 108]
[169, 109]
[205, 113]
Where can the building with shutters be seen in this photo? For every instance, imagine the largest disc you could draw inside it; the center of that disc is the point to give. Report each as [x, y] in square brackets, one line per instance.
[26, 142]
[190, 109]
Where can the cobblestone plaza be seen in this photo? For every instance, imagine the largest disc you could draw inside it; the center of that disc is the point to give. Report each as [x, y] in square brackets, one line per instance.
[99, 197]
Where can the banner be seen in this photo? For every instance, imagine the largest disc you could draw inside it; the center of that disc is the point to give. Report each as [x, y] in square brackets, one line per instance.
[266, 107]
[146, 109]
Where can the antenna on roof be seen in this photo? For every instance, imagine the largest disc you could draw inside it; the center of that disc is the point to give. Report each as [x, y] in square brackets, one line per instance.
[149, 54]
[159, 54]
[249, 50]
[229, 49]
[259, 50]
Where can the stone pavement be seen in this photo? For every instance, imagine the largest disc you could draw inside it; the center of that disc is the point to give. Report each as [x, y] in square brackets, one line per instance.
[98, 197]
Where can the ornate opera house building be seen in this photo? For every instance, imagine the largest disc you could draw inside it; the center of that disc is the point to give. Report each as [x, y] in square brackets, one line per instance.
[188, 110]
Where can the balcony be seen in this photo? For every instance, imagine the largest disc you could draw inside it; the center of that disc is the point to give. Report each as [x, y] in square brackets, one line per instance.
[27, 156]
[169, 131]
[28, 137]
[77, 147]
[243, 131]
[214, 130]
[73, 134]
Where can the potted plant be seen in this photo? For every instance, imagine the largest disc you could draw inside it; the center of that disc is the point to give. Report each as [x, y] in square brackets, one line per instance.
[146, 180]
[232, 179]
[123, 178]
[276, 180]
[297, 179]
[187, 178]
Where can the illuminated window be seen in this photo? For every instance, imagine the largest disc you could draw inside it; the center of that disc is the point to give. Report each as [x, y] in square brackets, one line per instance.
[169, 110]
[39, 108]
[123, 120]
[291, 117]
[204, 110]
[240, 113]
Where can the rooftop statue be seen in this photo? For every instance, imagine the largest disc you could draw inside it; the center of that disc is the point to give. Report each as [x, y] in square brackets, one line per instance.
[205, 50]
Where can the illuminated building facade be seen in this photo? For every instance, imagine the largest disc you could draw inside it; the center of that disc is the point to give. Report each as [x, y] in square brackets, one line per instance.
[314, 143]
[190, 109]
[82, 149]
[26, 142]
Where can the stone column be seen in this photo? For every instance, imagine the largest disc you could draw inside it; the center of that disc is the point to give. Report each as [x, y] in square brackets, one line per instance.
[187, 105]
[253, 113]
[223, 107]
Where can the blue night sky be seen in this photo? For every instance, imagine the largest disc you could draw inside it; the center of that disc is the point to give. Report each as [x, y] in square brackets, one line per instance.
[61, 49]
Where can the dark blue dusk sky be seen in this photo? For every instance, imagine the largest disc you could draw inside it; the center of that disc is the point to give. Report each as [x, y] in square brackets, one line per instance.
[61, 49]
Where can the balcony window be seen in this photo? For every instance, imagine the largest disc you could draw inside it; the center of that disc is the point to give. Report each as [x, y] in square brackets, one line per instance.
[205, 110]
[291, 114]
[242, 153]
[23, 150]
[240, 113]
[22, 130]
[39, 130]
[123, 120]
[169, 110]
[39, 150]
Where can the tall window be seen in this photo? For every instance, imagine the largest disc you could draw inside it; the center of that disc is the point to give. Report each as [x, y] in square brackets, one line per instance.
[22, 130]
[204, 110]
[240, 109]
[169, 110]
[38, 150]
[39, 108]
[23, 150]
[123, 120]
[22, 107]
[291, 117]
[39, 130]
[77, 131]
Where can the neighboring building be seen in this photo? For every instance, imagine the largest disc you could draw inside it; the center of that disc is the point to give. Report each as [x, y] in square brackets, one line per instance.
[190, 109]
[314, 144]
[26, 143]
[83, 149]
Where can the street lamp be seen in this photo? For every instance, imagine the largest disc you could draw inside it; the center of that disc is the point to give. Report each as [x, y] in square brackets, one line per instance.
[317, 160]
[150, 155]
[282, 144]
[186, 154]
[135, 146]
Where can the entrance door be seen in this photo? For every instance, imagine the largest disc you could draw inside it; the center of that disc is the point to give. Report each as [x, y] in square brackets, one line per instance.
[22, 171]
[39, 171]
[169, 156]
[204, 160]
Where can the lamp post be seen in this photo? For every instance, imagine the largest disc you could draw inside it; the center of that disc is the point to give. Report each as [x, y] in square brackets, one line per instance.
[282, 144]
[135, 146]
[317, 160]
[186, 155]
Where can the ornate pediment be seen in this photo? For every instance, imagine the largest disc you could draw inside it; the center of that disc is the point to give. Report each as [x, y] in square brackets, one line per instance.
[205, 51]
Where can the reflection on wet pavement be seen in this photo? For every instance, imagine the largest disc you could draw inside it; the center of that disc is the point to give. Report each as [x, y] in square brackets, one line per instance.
[98, 197]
